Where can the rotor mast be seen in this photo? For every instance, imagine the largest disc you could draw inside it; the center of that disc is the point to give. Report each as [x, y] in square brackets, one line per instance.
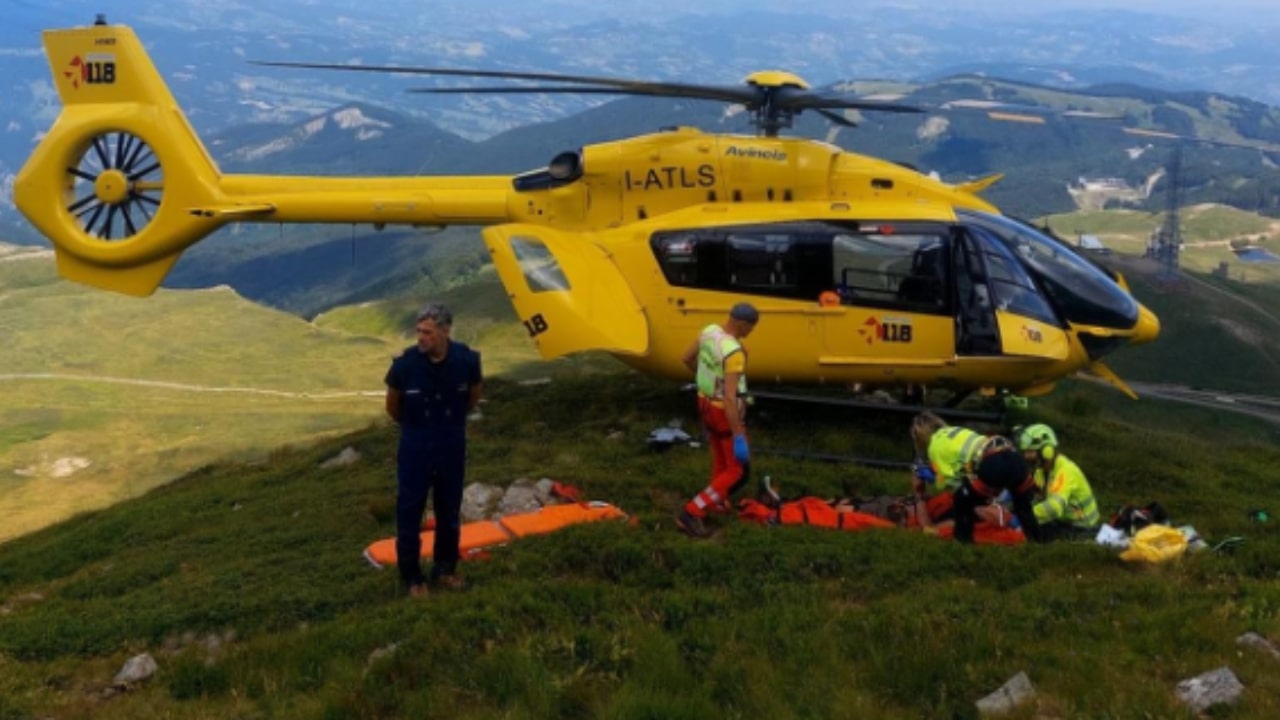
[770, 115]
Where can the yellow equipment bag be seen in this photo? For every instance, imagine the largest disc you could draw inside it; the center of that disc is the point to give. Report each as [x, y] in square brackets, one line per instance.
[1155, 544]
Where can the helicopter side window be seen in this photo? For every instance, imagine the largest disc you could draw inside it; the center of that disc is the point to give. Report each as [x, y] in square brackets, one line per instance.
[897, 270]
[791, 260]
[678, 255]
[760, 261]
[541, 270]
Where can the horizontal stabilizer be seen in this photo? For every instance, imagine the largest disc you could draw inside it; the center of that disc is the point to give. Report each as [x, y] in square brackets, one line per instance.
[233, 212]
[973, 187]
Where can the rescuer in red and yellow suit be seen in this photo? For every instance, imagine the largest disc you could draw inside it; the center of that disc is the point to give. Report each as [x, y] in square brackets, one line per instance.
[720, 363]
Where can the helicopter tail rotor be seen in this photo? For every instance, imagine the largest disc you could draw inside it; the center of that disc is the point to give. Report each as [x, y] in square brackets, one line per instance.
[112, 182]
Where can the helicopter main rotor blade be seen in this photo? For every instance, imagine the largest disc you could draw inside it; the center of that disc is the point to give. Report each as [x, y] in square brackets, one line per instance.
[836, 118]
[734, 95]
[454, 72]
[772, 98]
[784, 97]
[816, 101]
[710, 92]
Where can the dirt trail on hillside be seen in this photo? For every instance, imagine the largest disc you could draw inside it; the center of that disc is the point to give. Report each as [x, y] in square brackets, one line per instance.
[1258, 406]
[186, 387]
[1264, 407]
[24, 255]
[1243, 301]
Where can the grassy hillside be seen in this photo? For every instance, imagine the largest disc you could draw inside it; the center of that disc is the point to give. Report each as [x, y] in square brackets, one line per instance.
[105, 397]
[311, 268]
[245, 581]
[244, 578]
[1214, 333]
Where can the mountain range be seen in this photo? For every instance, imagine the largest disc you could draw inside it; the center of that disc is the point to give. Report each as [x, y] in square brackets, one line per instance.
[280, 121]
[202, 47]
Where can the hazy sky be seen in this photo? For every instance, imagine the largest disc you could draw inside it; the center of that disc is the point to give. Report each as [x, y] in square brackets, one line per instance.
[1269, 6]
[1231, 11]
[1234, 13]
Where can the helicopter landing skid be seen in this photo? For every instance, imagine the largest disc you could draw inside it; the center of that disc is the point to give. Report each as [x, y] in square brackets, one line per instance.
[948, 410]
[837, 458]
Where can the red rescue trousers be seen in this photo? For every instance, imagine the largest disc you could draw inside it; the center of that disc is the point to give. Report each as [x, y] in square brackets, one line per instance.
[727, 474]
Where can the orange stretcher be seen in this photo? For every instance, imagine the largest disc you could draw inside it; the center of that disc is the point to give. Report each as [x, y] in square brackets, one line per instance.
[481, 535]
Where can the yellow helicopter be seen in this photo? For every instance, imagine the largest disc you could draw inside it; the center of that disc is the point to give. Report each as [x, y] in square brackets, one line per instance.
[864, 271]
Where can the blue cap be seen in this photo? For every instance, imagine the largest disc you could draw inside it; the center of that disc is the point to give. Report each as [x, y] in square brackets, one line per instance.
[746, 312]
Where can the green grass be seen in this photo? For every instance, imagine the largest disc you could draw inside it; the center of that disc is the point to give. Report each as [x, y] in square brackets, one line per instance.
[1200, 223]
[634, 620]
[1212, 335]
[1102, 223]
[144, 390]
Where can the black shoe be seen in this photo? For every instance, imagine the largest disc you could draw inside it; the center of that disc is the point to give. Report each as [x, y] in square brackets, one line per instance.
[691, 526]
[451, 582]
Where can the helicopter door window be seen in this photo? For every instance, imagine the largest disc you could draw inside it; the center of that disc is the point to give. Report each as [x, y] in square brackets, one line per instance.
[892, 270]
[977, 331]
[541, 270]
[1011, 286]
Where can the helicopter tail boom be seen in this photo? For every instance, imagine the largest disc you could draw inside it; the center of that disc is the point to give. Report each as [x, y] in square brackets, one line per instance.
[122, 185]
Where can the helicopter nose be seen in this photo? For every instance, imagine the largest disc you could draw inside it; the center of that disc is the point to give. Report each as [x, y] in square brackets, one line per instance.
[1148, 327]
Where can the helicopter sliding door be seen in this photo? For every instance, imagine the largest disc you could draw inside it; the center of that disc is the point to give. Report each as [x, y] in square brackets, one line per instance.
[999, 308]
[567, 291]
[894, 298]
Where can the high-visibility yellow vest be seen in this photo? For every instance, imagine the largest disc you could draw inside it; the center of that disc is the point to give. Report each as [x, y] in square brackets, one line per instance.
[953, 453]
[714, 345]
[1068, 496]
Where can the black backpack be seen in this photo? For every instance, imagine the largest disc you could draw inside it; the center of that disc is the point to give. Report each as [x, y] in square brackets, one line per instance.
[1132, 518]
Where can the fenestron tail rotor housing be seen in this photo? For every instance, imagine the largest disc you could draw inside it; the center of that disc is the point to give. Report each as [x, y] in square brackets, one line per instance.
[116, 186]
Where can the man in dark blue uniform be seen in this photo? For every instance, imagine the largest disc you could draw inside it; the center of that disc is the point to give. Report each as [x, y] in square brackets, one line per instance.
[431, 388]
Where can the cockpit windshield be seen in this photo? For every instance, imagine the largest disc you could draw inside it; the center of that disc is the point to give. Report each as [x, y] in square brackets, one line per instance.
[1083, 293]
